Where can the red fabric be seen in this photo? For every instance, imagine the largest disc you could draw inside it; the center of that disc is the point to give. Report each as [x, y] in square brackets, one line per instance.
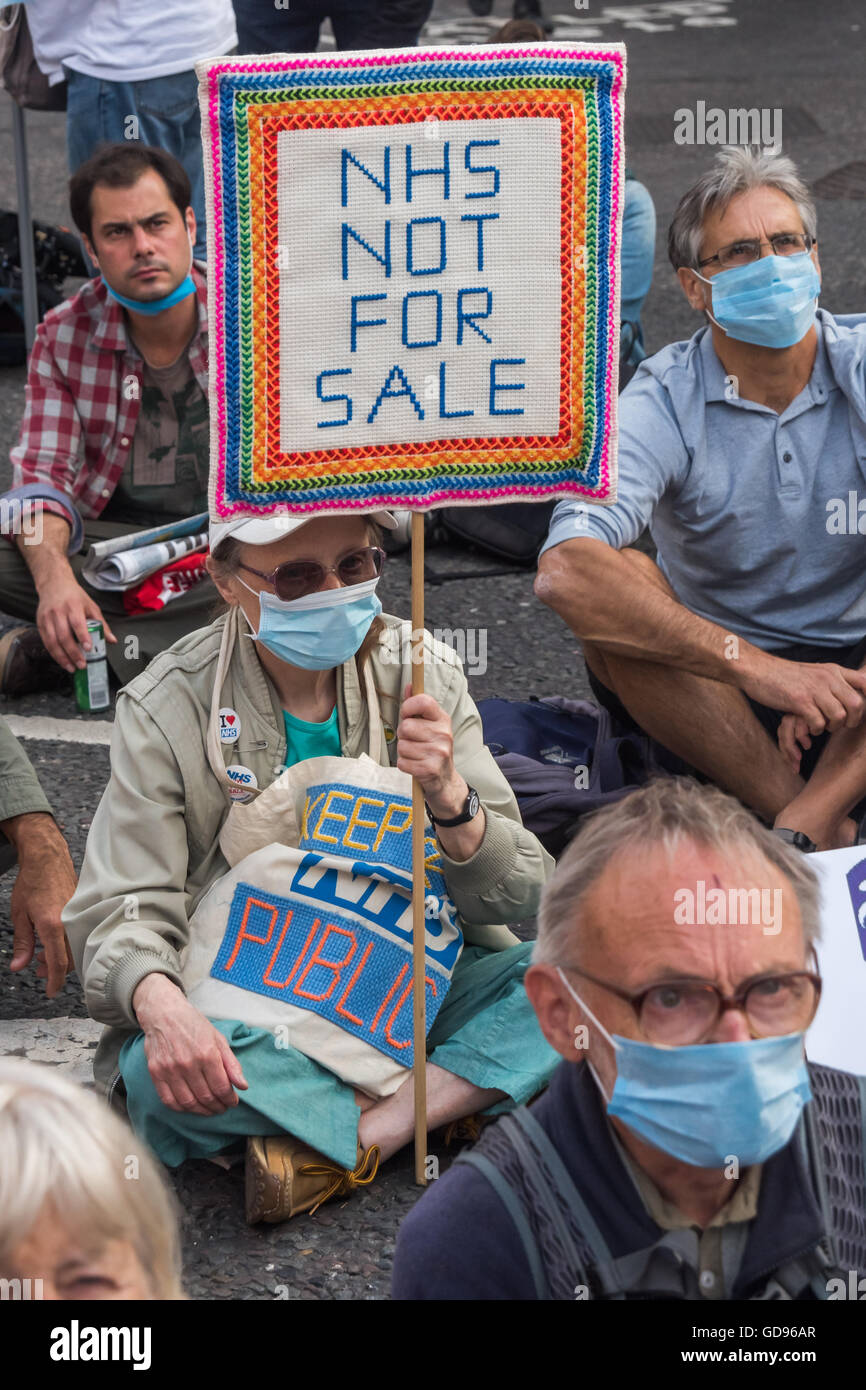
[160, 588]
[82, 404]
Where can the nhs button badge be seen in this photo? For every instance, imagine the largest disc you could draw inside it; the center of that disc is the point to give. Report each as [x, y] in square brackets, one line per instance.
[230, 726]
[245, 782]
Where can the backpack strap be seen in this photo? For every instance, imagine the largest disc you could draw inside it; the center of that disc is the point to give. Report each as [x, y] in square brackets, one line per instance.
[505, 1192]
[660, 1270]
[809, 1143]
[527, 1135]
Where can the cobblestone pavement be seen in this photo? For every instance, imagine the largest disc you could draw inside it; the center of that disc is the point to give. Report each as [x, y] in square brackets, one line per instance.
[789, 54]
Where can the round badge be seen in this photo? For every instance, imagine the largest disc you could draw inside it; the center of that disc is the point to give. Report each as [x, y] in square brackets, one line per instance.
[245, 782]
[230, 726]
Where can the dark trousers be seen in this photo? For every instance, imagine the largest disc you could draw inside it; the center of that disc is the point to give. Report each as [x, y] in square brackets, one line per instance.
[140, 637]
[263, 28]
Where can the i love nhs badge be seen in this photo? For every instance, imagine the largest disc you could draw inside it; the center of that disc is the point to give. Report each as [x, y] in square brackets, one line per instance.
[229, 725]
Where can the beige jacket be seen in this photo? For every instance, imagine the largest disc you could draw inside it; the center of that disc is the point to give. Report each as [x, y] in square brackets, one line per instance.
[153, 851]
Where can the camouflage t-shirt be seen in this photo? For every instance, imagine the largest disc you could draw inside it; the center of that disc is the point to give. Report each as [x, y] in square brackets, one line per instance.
[166, 472]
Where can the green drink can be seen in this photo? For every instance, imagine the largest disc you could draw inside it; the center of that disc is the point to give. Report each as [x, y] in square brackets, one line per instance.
[91, 684]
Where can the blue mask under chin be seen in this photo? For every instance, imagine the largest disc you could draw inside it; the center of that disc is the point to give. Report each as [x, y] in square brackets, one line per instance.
[157, 306]
[154, 306]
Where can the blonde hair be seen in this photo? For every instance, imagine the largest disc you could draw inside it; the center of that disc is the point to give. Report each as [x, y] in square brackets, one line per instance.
[62, 1144]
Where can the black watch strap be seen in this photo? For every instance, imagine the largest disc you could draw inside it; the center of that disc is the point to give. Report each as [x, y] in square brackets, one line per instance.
[798, 838]
[469, 812]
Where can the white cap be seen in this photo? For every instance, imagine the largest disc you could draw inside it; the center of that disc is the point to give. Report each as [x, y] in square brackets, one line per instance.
[264, 530]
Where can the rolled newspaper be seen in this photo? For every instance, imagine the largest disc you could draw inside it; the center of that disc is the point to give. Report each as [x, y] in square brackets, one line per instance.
[127, 567]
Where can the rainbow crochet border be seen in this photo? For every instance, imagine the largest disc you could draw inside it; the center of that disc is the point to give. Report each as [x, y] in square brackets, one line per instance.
[413, 276]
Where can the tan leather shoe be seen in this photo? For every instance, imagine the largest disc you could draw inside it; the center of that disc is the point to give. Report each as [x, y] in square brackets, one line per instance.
[468, 1129]
[284, 1177]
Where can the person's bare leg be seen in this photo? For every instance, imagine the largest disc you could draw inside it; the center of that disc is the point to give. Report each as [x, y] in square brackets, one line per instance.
[390, 1123]
[709, 724]
[822, 809]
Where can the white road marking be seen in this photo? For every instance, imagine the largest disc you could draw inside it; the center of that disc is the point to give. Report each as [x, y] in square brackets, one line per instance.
[60, 730]
[655, 17]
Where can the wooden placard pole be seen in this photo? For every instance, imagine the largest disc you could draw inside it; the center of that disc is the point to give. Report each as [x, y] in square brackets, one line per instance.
[418, 922]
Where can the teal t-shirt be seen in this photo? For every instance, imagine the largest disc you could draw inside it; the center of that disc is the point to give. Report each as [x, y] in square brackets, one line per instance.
[306, 740]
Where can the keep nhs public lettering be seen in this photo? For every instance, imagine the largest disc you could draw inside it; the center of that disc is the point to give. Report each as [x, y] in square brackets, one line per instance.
[338, 939]
[329, 825]
[384, 901]
[329, 964]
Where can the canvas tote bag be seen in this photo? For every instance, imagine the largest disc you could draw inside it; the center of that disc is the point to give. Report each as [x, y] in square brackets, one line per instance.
[309, 934]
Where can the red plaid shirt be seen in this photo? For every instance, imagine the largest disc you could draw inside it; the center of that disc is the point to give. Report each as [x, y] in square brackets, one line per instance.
[84, 383]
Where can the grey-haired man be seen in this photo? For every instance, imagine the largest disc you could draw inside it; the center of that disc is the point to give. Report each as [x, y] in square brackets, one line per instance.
[741, 450]
[684, 1148]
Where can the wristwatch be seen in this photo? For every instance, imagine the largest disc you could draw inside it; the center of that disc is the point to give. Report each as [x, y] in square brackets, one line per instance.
[798, 838]
[470, 810]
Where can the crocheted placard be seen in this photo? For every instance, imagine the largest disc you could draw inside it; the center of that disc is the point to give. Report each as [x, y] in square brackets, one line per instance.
[413, 276]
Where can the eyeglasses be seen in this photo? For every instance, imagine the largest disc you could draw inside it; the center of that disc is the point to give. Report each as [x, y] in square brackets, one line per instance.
[297, 578]
[748, 250]
[679, 1012]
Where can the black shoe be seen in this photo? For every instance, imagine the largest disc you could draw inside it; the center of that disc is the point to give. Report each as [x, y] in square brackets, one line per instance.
[480, 6]
[25, 666]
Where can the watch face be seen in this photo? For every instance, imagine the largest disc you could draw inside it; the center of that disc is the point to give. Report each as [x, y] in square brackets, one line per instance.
[473, 802]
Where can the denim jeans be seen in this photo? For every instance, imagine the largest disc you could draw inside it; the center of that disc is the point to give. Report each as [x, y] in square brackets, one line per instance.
[294, 28]
[638, 255]
[161, 111]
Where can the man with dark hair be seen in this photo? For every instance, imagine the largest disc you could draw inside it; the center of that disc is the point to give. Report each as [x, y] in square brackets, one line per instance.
[118, 166]
[115, 431]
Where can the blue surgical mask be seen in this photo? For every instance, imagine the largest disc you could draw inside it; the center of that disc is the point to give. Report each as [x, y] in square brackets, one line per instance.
[709, 1102]
[771, 302]
[321, 630]
[157, 306]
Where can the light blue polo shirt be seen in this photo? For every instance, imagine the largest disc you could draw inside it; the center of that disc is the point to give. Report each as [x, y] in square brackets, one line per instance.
[746, 507]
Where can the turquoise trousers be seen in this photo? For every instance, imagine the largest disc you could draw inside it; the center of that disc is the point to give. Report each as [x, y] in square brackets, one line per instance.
[486, 1031]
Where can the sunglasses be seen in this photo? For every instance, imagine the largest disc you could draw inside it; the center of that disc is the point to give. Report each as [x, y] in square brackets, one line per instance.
[298, 578]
